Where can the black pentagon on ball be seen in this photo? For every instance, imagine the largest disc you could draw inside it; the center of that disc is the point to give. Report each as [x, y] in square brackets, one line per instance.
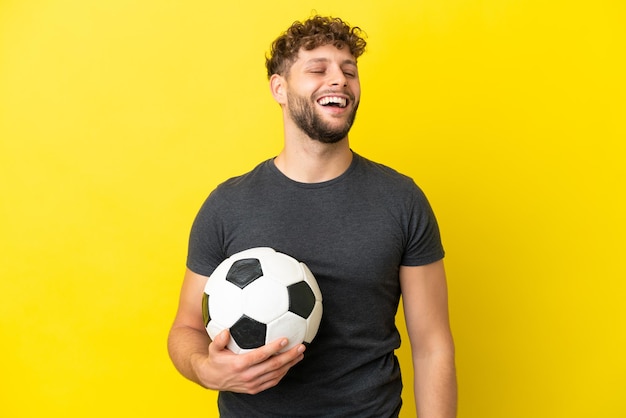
[244, 271]
[301, 299]
[248, 333]
[205, 309]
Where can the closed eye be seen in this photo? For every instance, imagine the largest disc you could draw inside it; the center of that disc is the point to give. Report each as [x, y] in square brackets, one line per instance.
[349, 70]
[317, 70]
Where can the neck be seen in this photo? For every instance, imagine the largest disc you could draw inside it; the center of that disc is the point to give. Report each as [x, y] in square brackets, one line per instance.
[309, 161]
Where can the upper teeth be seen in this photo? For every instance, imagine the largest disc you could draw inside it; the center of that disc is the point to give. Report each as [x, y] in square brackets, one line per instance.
[342, 102]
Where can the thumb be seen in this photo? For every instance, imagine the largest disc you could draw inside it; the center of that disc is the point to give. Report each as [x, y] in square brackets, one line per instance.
[221, 340]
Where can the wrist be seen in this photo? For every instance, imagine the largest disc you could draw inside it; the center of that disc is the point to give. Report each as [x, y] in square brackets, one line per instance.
[195, 362]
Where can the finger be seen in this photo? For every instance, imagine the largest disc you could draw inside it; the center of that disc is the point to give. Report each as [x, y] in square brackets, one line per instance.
[262, 353]
[282, 362]
[292, 356]
[278, 366]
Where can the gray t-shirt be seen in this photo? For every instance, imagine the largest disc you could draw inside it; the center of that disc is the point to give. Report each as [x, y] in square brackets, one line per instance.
[353, 232]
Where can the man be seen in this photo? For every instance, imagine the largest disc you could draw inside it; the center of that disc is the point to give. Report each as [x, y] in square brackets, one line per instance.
[367, 233]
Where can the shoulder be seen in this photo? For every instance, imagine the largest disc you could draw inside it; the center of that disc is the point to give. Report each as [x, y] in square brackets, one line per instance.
[231, 192]
[258, 173]
[249, 181]
[381, 170]
[385, 178]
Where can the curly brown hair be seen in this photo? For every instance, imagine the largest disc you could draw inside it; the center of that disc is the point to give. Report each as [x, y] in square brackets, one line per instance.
[313, 32]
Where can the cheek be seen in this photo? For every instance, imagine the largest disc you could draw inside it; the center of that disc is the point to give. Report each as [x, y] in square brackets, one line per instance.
[356, 90]
[303, 91]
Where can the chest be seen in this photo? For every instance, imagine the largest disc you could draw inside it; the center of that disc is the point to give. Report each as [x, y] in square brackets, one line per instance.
[340, 236]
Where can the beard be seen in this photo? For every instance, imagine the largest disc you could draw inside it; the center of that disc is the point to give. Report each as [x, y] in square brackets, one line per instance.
[302, 112]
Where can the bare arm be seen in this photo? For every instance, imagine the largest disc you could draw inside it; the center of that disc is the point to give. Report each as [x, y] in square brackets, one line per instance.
[425, 299]
[209, 363]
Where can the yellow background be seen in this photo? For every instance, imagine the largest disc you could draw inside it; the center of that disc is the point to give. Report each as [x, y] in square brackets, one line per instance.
[118, 117]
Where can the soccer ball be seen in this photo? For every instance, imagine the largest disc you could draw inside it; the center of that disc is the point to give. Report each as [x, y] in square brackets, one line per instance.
[262, 295]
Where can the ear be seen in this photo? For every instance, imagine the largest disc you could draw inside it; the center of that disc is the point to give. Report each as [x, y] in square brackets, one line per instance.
[278, 87]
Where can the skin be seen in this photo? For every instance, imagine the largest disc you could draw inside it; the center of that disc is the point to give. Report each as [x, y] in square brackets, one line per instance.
[311, 157]
[425, 297]
[323, 71]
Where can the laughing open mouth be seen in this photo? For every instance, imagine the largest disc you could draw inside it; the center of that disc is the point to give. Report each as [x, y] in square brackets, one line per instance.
[335, 101]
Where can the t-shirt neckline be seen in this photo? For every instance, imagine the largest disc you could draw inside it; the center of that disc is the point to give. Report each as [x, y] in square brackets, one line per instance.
[286, 180]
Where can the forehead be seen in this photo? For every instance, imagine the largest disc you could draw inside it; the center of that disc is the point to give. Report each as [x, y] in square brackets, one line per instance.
[325, 54]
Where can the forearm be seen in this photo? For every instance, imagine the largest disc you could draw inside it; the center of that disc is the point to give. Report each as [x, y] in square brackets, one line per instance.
[435, 384]
[184, 344]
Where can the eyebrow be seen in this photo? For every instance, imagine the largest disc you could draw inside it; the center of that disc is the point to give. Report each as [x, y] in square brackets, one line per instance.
[313, 61]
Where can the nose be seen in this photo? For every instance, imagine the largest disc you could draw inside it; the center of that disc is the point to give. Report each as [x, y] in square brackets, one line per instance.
[336, 77]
